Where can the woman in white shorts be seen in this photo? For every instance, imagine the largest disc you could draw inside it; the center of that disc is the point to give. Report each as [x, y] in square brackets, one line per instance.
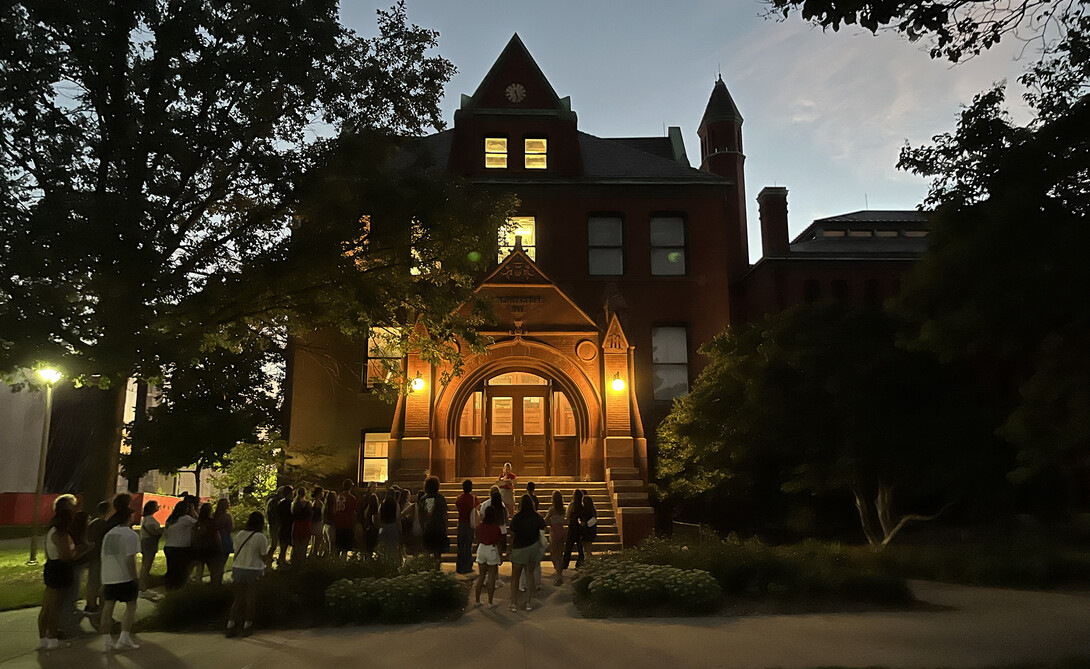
[488, 554]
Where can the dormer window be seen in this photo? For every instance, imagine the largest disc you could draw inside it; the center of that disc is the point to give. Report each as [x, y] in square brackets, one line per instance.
[536, 154]
[523, 228]
[495, 153]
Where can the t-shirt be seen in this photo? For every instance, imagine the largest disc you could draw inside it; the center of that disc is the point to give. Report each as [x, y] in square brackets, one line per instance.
[96, 529]
[526, 527]
[118, 547]
[488, 534]
[344, 513]
[507, 481]
[465, 504]
[179, 534]
[150, 528]
[251, 551]
[501, 510]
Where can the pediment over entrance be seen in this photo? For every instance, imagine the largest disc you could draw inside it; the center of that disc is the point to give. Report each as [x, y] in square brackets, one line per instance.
[525, 300]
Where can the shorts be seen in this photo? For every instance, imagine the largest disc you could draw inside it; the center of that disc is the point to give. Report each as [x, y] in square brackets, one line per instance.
[120, 592]
[526, 554]
[243, 575]
[346, 539]
[149, 545]
[57, 574]
[489, 555]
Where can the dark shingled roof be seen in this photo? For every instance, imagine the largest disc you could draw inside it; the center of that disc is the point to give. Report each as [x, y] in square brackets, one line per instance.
[656, 146]
[878, 232]
[721, 106]
[603, 160]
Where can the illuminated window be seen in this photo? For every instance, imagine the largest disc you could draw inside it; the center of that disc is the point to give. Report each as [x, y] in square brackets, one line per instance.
[535, 152]
[374, 457]
[670, 358]
[523, 227]
[667, 245]
[517, 379]
[605, 245]
[383, 356]
[472, 416]
[495, 152]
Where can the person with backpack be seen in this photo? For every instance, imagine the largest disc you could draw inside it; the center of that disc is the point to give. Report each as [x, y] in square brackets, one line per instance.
[251, 557]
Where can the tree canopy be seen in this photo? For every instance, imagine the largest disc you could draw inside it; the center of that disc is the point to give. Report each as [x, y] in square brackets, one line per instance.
[819, 399]
[165, 188]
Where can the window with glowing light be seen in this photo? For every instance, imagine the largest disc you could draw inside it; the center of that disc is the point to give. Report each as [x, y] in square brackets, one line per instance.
[535, 153]
[495, 153]
[383, 356]
[374, 462]
[523, 227]
[668, 246]
[670, 358]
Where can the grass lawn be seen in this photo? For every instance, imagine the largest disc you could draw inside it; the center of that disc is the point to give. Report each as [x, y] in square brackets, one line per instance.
[21, 584]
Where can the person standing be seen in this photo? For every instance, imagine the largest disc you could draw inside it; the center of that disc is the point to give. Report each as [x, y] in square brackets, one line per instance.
[285, 522]
[250, 560]
[70, 615]
[526, 529]
[433, 519]
[329, 528]
[575, 509]
[466, 503]
[531, 490]
[225, 525]
[506, 484]
[60, 552]
[119, 548]
[344, 518]
[389, 534]
[96, 529]
[371, 521]
[274, 519]
[207, 547]
[150, 531]
[317, 504]
[488, 553]
[300, 529]
[588, 528]
[177, 543]
[554, 518]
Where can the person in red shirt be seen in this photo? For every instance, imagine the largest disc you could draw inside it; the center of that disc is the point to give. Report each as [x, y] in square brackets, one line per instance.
[466, 503]
[488, 554]
[344, 520]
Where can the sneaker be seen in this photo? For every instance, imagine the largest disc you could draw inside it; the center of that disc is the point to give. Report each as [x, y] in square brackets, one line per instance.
[512, 608]
[126, 644]
[529, 607]
[43, 644]
[107, 646]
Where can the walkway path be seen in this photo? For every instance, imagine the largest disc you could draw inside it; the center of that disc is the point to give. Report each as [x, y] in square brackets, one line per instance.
[983, 626]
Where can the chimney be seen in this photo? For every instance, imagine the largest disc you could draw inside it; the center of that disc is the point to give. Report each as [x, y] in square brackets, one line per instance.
[772, 201]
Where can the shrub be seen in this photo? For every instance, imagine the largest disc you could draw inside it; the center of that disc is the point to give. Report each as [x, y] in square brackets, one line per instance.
[643, 586]
[402, 599]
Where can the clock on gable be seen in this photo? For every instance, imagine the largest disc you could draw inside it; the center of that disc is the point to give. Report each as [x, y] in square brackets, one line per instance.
[515, 92]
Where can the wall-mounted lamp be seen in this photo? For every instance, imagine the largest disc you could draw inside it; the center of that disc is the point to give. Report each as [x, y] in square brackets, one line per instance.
[617, 384]
[418, 383]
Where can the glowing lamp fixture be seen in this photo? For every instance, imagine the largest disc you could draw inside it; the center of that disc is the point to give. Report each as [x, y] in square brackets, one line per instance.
[49, 375]
[617, 384]
[418, 383]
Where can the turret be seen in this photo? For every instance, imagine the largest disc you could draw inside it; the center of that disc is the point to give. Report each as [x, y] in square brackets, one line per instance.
[720, 134]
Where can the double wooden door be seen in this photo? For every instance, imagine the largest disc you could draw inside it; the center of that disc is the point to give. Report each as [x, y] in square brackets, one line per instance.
[517, 426]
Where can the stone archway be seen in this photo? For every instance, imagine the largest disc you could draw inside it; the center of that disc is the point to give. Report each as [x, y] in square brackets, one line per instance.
[529, 356]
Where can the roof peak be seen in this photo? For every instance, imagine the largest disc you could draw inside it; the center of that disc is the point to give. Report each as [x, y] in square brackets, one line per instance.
[721, 105]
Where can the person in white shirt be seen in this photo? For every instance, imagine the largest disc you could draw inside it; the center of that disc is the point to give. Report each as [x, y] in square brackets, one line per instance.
[119, 548]
[251, 556]
[177, 542]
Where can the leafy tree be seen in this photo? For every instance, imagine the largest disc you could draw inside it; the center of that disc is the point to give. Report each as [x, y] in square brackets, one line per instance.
[154, 162]
[1004, 282]
[248, 474]
[955, 28]
[819, 398]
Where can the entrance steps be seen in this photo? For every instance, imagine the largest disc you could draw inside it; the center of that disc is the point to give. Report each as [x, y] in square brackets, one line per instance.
[609, 537]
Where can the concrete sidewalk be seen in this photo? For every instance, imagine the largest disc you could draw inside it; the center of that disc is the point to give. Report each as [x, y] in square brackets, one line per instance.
[981, 626]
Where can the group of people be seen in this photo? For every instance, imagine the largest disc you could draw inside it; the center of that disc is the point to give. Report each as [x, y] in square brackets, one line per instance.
[523, 536]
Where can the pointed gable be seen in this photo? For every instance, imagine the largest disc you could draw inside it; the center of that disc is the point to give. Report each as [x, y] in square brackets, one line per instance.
[515, 82]
[525, 300]
[721, 105]
[615, 341]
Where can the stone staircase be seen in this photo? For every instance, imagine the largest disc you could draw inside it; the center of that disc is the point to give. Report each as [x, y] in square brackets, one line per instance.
[609, 538]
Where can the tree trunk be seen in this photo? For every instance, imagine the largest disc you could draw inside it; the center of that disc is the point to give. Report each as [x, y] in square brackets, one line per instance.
[140, 416]
[197, 481]
[863, 507]
[104, 449]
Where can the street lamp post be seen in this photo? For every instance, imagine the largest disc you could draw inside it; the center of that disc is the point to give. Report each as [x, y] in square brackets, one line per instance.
[50, 376]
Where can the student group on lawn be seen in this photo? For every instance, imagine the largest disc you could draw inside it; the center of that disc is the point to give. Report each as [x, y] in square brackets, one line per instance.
[100, 549]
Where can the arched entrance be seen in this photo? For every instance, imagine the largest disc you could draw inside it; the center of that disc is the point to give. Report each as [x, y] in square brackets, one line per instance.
[519, 417]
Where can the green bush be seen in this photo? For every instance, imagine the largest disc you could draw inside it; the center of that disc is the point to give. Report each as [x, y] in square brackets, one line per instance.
[642, 586]
[402, 599]
[1013, 562]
